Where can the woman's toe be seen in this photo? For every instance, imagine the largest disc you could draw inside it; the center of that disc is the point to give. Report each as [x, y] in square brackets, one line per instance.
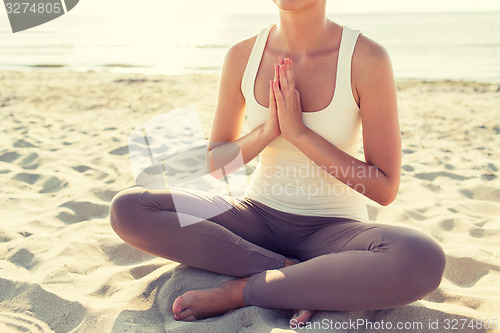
[301, 316]
[186, 313]
[177, 306]
[190, 318]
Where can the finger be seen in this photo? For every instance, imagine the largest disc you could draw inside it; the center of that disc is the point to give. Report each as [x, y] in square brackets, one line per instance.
[282, 61]
[297, 95]
[288, 74]
[291, 78]
[272, 100]
[283, 82]
[280, 102]
[276, 74]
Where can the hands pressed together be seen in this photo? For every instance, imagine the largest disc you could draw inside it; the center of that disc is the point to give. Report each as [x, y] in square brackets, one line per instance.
[285, 110]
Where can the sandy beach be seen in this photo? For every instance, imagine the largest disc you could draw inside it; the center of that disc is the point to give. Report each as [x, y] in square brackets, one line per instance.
[64, 155]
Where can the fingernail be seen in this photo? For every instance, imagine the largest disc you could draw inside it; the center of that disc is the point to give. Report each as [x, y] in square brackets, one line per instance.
[295, 315]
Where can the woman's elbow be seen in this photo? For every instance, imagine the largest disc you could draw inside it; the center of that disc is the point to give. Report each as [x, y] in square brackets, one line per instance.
[210, 165]
[212, 170]
[388, 194]
[386, 200]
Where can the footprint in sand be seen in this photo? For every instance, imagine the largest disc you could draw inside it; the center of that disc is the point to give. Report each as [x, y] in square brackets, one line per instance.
[23, 144]
[105, 195]
[482, 192]
[82, 211]
[433, 175]
[466, 272]
[9, 157]
[103, 291]
[120, 151]
[58, 314]
[492, 167]
[23, 258]
[124, 255]
[447, 224]
[32, 161]
[29, 178]
[22, 322]
[82, 168]
[141, 271]
[449, 167]
[408, 168]
[53, 184]
[414, 215]
[489, 176]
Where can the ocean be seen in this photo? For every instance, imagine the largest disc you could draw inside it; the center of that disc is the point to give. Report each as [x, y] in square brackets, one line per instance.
[429, 46]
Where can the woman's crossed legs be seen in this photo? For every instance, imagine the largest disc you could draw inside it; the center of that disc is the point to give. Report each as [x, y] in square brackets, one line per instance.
[345, 264]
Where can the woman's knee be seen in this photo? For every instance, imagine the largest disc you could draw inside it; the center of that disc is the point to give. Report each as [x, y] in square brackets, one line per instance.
[420, 261]
[424, 262]
[123, 209]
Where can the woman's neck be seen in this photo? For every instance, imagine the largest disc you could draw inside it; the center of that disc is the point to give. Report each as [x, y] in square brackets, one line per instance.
[303, 31]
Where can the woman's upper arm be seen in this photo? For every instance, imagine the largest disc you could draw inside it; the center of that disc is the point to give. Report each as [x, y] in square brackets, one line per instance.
[375, 86]
[230, 107]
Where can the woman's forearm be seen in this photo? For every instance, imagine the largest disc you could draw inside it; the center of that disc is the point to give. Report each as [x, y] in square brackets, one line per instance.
[363, 177]
[230, 156]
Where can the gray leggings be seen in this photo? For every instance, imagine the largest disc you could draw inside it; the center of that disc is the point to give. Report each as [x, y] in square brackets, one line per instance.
[344, 264]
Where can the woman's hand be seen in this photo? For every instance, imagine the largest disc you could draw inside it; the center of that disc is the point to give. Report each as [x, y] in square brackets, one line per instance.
[287, 100]
[272, 124]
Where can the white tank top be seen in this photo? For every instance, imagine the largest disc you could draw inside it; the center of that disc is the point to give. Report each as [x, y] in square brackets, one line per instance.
[285, 178]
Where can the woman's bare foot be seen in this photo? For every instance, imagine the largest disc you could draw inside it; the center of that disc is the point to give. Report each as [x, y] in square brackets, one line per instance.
[299, 316]
[199, 304]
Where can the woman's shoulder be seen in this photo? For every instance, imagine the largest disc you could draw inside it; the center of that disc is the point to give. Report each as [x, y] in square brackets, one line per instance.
[238, 54]
[370, 59]
[368, 52]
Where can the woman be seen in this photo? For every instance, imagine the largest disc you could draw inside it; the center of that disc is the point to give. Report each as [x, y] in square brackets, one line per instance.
[307, 85]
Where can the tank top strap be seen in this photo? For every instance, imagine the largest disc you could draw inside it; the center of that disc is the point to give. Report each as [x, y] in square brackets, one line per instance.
[248, 79]
[346, 50]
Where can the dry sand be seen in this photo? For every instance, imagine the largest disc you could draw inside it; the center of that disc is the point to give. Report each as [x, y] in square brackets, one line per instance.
[64, 155]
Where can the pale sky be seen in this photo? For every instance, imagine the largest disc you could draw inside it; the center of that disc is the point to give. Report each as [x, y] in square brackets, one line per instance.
[267, 6]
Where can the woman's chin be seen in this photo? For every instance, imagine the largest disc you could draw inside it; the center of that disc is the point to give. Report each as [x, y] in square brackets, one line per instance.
[295, 5]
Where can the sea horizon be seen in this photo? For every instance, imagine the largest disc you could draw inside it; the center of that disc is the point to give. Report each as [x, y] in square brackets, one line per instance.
[425, 46]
